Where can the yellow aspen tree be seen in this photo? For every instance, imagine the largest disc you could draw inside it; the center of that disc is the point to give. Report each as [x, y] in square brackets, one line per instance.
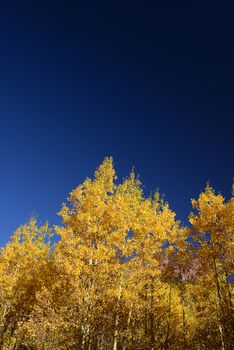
[213, 228]
[94, 240]
[23, 264]
[123, 275]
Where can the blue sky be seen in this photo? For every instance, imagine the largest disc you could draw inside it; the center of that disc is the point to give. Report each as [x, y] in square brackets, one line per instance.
[150, 85]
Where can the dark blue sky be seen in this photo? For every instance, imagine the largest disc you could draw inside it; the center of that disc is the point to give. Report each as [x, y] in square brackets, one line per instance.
[152, 85]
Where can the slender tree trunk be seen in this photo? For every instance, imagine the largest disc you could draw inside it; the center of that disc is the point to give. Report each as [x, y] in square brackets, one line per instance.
[115, 341]
[152, 330]
[128, 324]
[218, 290]
[183, 318]
[169, 320]
[86, 340]
[85, 336]
[221, 337]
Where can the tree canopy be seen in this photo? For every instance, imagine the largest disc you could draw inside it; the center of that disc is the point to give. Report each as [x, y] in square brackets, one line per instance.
[124, 273]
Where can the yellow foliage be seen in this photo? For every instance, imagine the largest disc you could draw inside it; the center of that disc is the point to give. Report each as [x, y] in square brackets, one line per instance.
[123, 274]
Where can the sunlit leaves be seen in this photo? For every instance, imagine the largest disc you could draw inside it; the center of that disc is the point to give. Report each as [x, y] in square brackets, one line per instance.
[123, 275]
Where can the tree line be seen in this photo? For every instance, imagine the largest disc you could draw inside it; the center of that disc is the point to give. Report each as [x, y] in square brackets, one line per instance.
[124, 273]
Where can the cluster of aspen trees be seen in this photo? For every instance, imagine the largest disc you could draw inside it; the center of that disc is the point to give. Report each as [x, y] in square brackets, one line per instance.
[123, 273]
